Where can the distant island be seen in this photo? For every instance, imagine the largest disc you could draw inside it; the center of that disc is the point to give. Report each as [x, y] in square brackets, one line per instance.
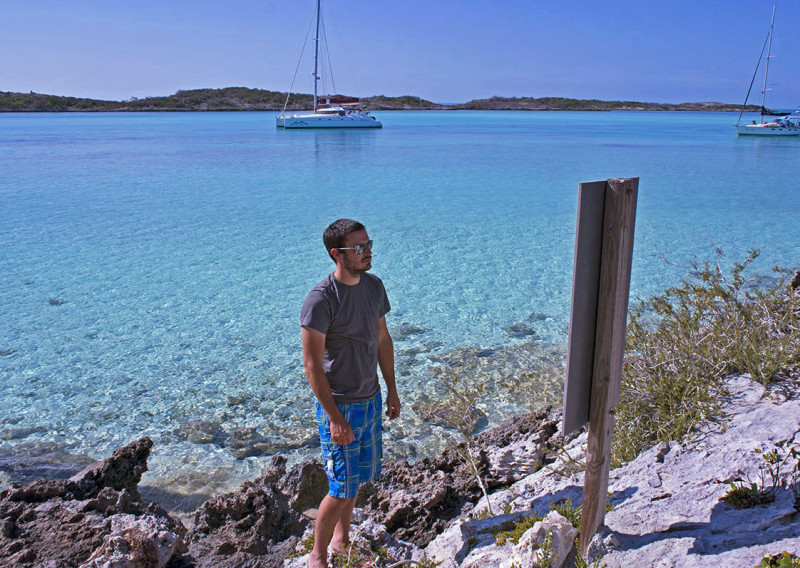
[245, 99]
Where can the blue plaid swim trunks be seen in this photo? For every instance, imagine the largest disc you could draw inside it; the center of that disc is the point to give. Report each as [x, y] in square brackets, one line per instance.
[359, 461]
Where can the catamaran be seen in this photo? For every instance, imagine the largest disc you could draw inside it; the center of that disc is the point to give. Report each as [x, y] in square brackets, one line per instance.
[329, 112]
[786, 125]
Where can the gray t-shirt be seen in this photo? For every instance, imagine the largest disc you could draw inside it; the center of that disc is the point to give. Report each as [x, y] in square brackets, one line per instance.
[348, 316]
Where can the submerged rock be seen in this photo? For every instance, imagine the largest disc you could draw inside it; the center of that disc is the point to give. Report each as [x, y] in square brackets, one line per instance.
[27, 461]
[406, 330]
[202, 432]
[520, 330]
[19, 433]
[249, 442]
[538, 317]
[441, 414]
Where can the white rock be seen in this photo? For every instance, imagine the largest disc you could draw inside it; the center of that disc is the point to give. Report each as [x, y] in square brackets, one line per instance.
[682, 521]
[518, 459]
[666, 508]
[528, 552]
[467, 538]
[134, 542]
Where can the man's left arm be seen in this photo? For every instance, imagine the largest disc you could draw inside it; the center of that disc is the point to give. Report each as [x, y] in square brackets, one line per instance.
[386, 363]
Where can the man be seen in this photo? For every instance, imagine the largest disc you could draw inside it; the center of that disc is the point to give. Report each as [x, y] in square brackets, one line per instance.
[345, 339]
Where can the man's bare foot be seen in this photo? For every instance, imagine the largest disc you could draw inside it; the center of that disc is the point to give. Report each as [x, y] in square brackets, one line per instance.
[339, 547]
[315, 562]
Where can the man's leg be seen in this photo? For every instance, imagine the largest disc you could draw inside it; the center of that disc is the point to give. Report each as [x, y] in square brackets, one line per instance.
[342, 468]
[341, 534]
[334, 513]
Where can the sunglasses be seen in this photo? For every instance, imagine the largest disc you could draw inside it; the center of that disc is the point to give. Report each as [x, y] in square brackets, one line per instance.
[360, 248]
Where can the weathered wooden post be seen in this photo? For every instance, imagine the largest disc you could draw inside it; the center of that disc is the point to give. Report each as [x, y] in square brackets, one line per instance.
[601, 282]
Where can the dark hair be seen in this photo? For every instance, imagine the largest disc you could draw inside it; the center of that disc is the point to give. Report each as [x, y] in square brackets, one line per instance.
[334, 236]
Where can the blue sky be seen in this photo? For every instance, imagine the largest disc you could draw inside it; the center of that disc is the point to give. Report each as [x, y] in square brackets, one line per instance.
[441, 50]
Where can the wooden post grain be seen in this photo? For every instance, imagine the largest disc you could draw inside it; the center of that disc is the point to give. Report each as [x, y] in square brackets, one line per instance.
[612, 312]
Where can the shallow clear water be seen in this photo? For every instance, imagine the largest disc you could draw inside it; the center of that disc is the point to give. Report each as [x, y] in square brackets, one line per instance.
[152, 266]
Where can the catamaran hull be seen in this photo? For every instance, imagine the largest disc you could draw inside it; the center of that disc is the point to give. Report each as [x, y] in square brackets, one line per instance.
[767, 130]
[329, 121]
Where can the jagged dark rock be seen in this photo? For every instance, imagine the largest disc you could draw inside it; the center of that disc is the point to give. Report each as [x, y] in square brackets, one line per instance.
[122, 471]
[261, 524]
[417, 501]
[97, 518]
[62, 523]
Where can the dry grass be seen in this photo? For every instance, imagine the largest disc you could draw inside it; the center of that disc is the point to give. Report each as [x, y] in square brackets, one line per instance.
[681, 344]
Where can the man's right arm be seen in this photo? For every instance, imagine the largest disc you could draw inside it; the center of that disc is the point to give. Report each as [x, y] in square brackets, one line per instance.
[313, 350]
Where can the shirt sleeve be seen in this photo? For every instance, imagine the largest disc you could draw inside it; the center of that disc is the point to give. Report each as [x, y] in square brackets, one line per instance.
[316, 312]
[385, 306]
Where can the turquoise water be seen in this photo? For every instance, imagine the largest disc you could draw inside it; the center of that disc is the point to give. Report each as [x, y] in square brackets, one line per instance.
[152, 266]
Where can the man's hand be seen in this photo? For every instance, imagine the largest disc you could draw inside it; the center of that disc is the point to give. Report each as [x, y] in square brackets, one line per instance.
[392, 405]
[341, 432]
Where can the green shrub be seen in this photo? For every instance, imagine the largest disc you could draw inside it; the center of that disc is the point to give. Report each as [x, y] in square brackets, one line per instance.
[774, 472]
[782, 560]
[683, 342]
[516, 530]
[744, 496]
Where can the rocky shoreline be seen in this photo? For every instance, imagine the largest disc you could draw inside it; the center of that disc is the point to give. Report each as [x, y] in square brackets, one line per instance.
[666, 504]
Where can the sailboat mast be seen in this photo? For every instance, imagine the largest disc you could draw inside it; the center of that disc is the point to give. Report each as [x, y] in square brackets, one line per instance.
[316, 56]
[766, 67]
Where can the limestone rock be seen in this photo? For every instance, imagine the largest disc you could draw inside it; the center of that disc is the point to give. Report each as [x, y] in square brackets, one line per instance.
[471, 542]
[667, 501]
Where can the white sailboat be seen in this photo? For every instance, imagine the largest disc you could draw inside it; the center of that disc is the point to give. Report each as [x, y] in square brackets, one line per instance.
[787, 125]
[329, 112]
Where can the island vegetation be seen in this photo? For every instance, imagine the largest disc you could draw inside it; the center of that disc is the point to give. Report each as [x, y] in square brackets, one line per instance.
[246, 99]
